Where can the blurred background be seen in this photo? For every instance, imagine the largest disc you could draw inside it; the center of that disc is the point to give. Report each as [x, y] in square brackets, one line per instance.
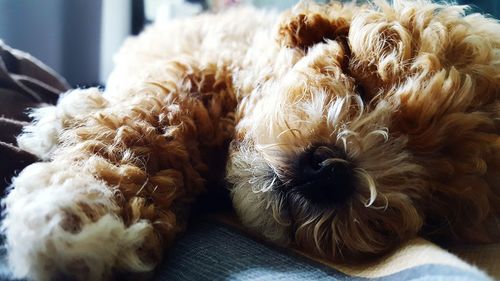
[78, 38]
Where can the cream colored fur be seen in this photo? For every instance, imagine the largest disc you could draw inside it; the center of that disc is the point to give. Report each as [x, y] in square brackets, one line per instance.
[408, 92]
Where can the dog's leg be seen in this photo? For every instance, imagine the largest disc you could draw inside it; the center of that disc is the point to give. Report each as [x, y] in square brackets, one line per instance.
[63, 221]
[120, 182]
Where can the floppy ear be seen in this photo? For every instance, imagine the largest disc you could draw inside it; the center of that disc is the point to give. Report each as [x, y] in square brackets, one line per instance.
[309, 23]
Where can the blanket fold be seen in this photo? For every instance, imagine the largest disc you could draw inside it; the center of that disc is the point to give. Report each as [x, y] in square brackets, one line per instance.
[25, 82]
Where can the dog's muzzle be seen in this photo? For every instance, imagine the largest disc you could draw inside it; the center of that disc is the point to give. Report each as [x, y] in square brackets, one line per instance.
[324, 175]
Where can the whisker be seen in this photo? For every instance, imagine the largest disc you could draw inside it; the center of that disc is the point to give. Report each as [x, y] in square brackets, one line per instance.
[267, 146]
[289, 130]
[383, 132]
[317, 228]
[371, 185]
[142, 187]
[333, 160]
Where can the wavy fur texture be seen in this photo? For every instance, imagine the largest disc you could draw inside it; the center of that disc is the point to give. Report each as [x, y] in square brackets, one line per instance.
[409, 93]
[405, 94]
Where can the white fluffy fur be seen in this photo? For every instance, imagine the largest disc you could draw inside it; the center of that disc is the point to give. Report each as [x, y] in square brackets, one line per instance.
[256, 209]
[42, 136]
[84, 249]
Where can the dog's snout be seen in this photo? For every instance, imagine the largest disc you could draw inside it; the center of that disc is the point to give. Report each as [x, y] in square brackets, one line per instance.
[324, 175]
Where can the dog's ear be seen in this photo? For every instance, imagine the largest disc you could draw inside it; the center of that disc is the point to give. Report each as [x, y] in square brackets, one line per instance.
[305, 30]
[309, 23]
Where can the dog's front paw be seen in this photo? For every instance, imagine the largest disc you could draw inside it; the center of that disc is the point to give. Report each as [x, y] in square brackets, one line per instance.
[61, 222]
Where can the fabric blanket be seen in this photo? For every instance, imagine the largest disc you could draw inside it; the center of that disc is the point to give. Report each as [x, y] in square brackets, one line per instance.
[25, 82]
[216, 247]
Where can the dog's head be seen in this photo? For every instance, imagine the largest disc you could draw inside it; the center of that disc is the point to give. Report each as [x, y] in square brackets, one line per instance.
[321, 155]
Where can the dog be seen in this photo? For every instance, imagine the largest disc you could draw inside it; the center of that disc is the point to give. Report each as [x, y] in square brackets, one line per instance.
[382, 123]
[347, 129]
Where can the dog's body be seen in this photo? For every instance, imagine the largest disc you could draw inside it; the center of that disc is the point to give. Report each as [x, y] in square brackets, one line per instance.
[353, 128]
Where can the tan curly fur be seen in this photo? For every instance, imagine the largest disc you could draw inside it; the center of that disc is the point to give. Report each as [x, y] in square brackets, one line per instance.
[409, 93]
[403, 97]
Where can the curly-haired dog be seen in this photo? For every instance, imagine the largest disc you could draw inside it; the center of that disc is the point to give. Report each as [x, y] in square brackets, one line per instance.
[378, 123]
[354, 128]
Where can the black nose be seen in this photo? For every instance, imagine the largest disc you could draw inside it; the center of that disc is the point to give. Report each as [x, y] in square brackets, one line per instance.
[324, 175]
